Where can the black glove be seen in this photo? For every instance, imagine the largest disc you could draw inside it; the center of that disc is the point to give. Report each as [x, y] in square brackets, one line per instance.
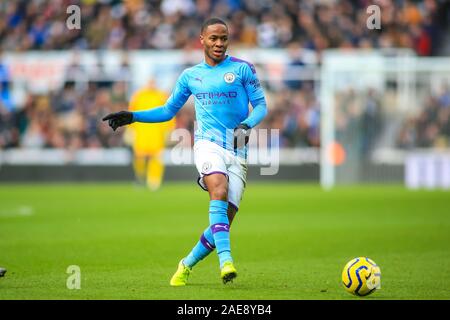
[119, 119]
[241, 136]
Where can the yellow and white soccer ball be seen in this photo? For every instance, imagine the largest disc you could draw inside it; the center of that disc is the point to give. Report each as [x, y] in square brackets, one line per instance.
[361, 276]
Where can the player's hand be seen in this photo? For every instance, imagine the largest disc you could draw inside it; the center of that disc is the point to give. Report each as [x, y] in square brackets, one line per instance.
[119, 119]
[241, 136]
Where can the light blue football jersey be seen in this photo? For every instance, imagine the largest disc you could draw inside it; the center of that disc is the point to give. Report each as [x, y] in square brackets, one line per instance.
[222, 94]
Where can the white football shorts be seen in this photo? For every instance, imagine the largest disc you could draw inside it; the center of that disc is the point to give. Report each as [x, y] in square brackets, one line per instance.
[211, 158]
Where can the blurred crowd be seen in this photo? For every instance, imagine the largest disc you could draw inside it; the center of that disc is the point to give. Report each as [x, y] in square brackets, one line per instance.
[71, 117]
[172, 24]
[296, 114]
[431, 126]
[359, 120]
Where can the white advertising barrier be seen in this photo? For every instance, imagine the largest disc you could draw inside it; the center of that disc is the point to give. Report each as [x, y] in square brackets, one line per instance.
[123, 156]
[41, 72]
[37, 72]
[428, 170]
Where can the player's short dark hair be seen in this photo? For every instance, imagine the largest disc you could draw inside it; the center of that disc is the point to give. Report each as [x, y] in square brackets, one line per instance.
[212, 21]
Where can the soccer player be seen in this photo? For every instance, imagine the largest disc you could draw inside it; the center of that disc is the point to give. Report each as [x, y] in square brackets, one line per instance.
[222, 87]
[148, 141]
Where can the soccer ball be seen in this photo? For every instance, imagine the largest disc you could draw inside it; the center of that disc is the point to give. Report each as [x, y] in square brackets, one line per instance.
[361, 276]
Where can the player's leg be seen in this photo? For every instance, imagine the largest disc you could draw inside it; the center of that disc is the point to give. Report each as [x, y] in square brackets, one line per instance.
[206, 243]
[236, 185]
[139, 167]
[232, 210]
[155, 171]
[217, 185]
[208, 160]
[237, 177]
[200, 251]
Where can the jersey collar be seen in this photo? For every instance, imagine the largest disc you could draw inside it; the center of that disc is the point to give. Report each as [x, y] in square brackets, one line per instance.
[227, 57]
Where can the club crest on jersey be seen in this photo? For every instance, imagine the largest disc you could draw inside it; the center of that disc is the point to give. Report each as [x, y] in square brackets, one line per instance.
[206, 167]
[229, 77]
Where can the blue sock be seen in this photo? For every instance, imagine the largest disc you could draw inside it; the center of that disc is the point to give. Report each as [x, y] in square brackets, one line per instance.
[203, 247]
[220, 227]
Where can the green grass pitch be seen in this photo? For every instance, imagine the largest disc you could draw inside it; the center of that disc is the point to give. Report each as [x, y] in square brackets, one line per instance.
[289, 241]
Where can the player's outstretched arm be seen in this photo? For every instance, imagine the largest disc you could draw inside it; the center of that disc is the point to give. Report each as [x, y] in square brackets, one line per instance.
[123, 118]
[161, 114]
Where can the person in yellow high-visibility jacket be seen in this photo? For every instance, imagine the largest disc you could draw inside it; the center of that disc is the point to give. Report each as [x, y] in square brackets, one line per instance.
[149, 140]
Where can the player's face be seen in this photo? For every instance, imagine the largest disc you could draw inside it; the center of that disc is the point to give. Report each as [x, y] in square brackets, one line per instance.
[215, 42]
